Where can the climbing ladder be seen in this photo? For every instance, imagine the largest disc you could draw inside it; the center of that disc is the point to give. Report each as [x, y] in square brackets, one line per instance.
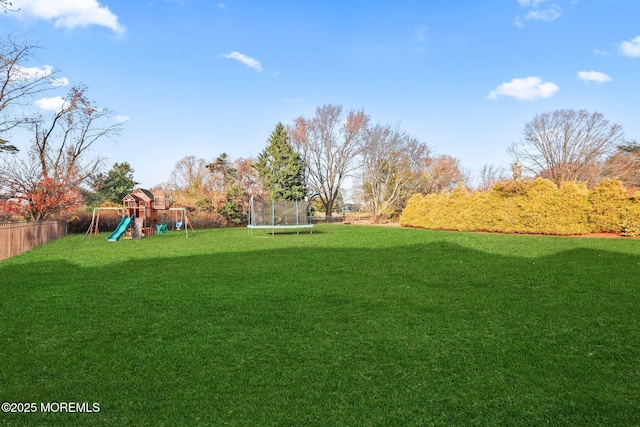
[137, 228]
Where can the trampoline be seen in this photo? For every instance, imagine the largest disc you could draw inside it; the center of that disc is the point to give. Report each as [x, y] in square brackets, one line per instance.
[288, 215]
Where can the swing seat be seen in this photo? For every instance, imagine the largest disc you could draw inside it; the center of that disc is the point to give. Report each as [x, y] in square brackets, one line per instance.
[178, 225]
[161, 228]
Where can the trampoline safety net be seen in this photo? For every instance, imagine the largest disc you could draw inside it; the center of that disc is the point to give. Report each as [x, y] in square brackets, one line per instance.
[289, 214]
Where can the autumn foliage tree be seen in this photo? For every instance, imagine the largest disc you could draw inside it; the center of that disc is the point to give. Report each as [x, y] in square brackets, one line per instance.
[440, 173]
[47, 180]
[243, 182]
[218, 190]
[46, 198]
[624, 164]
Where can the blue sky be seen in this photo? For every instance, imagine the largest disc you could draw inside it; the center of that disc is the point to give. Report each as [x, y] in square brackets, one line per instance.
[201, 77]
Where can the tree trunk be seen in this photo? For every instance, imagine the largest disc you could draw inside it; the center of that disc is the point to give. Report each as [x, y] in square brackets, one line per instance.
[329, 210]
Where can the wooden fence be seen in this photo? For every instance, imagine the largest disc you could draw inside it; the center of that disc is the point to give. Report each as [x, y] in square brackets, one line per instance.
[16, 238]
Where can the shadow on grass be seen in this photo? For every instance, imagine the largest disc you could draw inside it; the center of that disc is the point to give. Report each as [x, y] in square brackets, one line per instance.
[420, 334]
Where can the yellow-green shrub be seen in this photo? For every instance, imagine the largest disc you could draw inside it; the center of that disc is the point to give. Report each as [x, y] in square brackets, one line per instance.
[608, 200]
[529, 206]
[570, 207]
[630, 224]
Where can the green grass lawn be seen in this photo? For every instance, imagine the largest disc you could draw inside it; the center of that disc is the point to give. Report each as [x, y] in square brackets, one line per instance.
[348, 326]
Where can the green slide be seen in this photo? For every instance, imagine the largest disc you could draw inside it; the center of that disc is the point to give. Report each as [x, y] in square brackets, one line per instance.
[122, 227]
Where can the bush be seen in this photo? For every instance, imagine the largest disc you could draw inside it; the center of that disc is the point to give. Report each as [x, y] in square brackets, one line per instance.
[608, 200]
[630, 224]
[529, 206]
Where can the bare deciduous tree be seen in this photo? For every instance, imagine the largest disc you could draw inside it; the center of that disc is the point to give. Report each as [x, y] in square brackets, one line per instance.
[329, 143]
[19, 83]
[489, 175]
[59, 160]
[391, 162]
[190, 175]
[63, 142]
[567, 145]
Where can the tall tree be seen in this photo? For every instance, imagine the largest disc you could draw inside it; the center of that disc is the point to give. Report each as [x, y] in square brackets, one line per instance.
[222, 172]
[624, 164]
[19, 82]
[59, 159]
[567, 145]
[391, 162]
[281, 169]
[190, 175]
[329, 143]
[440, 173]
[247, 177]
[112, 186]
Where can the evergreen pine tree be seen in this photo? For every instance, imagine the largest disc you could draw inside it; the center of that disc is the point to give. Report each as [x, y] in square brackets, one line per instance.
[281, 169]
[112, 187]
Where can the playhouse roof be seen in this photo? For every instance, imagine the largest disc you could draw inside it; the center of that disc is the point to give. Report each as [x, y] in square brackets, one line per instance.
[141, 194]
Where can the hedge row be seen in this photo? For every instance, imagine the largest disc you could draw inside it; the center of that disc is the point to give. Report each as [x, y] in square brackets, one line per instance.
[532, 206]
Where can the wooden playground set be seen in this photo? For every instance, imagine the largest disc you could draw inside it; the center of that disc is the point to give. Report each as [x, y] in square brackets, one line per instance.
[144, 213]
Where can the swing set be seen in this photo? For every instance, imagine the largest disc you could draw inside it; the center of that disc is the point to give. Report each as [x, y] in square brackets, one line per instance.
[143, 213]
[174, 220]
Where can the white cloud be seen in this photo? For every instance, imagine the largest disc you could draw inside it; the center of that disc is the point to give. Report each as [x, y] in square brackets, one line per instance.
[70, 13]
[54, 104]
[546, 15]
[526, 89]
[122, 119]
[594, 76]
[530, 3]
[536, 13]
[249, 62]
[30, 73]
[598, 52]
[631, 48]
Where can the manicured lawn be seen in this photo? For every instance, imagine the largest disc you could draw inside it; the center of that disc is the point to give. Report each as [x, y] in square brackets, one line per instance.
[348, 326]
